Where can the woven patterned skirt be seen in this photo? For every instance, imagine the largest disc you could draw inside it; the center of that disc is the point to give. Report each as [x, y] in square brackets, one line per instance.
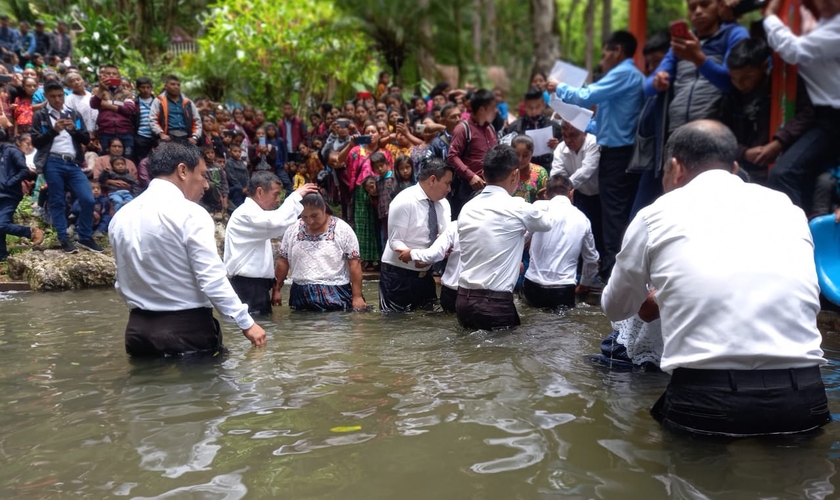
[321, 297]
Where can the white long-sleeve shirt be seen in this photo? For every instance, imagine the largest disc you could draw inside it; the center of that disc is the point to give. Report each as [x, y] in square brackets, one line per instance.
[165, 249]
[408, 224]
[733, 264]
[491, 231]
[248, 236]
[555, 253]
[437, 252]
[817, 54]
[581, 167]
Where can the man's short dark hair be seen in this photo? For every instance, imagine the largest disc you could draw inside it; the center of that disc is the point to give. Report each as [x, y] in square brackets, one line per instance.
[659, 42]
[558, 185]
[748, 53]
[499, 162]
[262, 179]
[172, 78]
[480, 99]
[165, 158]
[50, 85]
[448, 107]
[377, 157]
[434, 166]
[702, 145]
[624, 40]
[143, 80]
[533, 94]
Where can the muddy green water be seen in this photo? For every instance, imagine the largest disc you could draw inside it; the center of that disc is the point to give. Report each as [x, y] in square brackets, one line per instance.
[361, 406]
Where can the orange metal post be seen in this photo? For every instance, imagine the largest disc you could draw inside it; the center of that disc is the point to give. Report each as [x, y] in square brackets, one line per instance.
[638, 26]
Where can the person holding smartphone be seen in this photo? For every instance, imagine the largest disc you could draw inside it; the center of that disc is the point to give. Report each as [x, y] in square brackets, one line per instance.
[695, 67]
[116, 110]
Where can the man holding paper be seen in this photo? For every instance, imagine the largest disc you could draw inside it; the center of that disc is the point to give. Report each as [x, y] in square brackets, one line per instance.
[619, 97]
[545, 133]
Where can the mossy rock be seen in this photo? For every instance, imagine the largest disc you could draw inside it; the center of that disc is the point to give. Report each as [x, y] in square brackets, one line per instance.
[51, 270]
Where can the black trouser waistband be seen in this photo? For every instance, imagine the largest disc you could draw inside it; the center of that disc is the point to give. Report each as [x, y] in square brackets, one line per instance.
[199, 311]
[488, 294]
[790, 377]
[827, 113]
[399, 271]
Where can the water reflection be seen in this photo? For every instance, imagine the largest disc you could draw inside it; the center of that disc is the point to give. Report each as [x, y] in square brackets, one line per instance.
[361, 406]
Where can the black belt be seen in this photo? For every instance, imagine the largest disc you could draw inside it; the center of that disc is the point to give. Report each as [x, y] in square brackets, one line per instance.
[399, 271]
[790, 377]
[487, 294]
[62, 157]
[614, 148]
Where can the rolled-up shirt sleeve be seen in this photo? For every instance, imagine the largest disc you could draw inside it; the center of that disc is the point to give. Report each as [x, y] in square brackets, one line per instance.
[627, 290]
[437, 252]
[822, 43]
[210, 273]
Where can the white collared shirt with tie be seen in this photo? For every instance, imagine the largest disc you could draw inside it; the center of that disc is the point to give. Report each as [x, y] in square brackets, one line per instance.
[733, 265]
[491, 231]
[408, 224]
[165, 249]
[248, 236]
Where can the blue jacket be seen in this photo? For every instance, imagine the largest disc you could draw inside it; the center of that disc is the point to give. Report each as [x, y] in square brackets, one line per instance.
[699, 91]
[13, 170]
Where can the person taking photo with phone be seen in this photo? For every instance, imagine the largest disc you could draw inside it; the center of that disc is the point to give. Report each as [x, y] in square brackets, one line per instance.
[694, 70]
[116, 110]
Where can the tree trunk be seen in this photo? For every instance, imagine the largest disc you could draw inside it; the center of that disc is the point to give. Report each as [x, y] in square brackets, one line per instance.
[476, 32]
[589, 19]
[490, 30]
[606, 21]
[425, 52]
[459, 52]
[545, 34]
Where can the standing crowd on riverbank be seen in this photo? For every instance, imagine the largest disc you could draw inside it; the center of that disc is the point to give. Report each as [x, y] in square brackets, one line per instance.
[663, 198]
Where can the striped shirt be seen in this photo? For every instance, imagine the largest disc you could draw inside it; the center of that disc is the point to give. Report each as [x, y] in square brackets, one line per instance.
[145, 105]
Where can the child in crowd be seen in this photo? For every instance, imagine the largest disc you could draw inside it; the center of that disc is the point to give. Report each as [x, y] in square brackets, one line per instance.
[310, 161]
[501, 105]
[101, 210]
[369, 187]
[405, 172]
[382, 85]
[215, 199]
[227, 141]
[746, 111]
[301, 176]
[386, 189]
[237, 174]
[239, 140]
[119, 196]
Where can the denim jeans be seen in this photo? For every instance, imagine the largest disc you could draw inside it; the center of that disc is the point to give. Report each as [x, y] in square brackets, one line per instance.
[62, 176]
[120, 198]
[127, 141]
[7, 211]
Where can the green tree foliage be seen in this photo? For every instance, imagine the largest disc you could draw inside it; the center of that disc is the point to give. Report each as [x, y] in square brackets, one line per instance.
[265, 52]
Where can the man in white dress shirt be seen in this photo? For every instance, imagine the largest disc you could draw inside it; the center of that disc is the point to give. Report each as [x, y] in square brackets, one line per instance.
[417, 216]
[551, 276]
[249, 259]
[168, 270]
[731, 266]
[577, 158]
[817, 55]
[491, 231]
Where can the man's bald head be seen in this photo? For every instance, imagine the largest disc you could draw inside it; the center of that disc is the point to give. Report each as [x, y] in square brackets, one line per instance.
[702, 145]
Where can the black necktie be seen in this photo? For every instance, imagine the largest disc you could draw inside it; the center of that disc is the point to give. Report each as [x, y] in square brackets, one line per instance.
[433, 222]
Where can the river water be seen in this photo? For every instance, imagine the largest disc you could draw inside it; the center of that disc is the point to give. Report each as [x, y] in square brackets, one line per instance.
[362, 406]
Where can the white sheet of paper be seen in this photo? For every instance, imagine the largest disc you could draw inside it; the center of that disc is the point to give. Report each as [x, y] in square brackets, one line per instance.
[577, 116]
[570, 74]
[541, 136]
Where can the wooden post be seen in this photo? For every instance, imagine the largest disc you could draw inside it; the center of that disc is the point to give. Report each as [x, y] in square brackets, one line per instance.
[638, 26]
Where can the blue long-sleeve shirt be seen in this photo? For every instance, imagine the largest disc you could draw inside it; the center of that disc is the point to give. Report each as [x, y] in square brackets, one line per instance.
[619, 97]
[27, 43]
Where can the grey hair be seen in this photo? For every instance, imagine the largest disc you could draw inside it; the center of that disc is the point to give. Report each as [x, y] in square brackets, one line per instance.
[702, 145]
[262, 179]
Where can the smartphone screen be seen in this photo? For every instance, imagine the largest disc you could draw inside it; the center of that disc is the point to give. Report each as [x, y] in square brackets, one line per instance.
[362, 139]
[262, 141]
